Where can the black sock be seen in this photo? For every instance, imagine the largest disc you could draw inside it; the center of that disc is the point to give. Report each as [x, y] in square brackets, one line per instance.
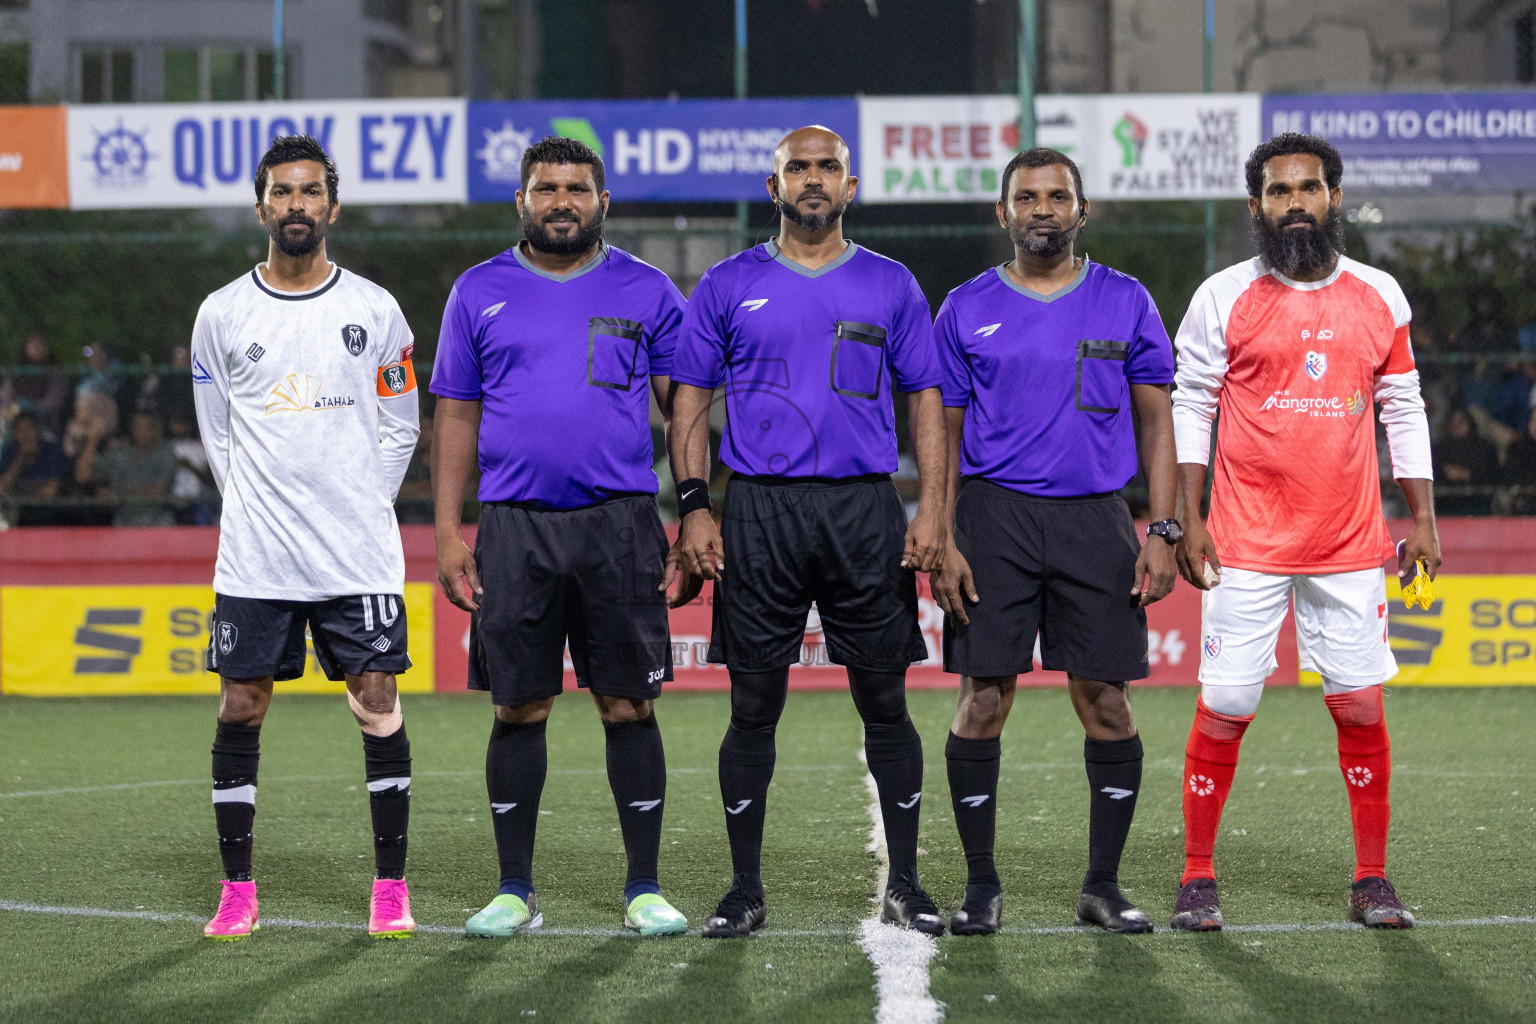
[236, 753]
[895, 756]
[387, 763]
[973, 792]
[637, 774]
[746, 769]
[1114, 778]
[515, 762]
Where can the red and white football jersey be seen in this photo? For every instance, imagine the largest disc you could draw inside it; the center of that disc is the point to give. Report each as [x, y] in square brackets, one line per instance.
[1295, 369]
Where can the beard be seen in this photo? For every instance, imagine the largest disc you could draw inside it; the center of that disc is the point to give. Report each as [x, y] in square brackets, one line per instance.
[544, 240]
[1044, 246]
[1292, 251]
[296, 245]
[812, 222]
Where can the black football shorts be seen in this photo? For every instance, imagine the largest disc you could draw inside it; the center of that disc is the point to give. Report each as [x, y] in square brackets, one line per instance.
[254, 637]
[1061, 568]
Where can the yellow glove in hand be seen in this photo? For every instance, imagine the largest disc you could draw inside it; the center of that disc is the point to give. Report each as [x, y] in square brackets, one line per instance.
[1420, 590]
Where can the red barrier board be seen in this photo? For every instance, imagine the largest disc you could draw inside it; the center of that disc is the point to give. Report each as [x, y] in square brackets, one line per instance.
[185, 555]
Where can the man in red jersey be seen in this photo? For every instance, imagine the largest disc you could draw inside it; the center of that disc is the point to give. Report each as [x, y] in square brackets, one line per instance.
[1294, 347]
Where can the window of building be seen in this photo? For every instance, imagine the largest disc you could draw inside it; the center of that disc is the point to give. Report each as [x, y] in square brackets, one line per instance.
[1525, 46]
[15, 59]
[220, 74]
[106, 76]
[181, 76]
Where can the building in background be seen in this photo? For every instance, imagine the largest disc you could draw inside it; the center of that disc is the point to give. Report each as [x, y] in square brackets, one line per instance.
[128, 51]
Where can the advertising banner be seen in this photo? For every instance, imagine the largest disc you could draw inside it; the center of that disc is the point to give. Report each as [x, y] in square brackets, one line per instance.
[1480, 631]
[205, 154]
[927, 149]
[652, 149]
[115, 640]
[1471, 143]
[32, 158]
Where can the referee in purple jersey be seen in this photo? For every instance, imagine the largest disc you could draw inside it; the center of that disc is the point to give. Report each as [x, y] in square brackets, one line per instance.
[1056, 370]
[809, 335]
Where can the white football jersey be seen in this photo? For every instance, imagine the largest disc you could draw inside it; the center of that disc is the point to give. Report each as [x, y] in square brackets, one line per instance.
[308, 410]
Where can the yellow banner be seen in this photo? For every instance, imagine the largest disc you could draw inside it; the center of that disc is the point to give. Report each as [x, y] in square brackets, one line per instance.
[95, 641]
[1480, 631]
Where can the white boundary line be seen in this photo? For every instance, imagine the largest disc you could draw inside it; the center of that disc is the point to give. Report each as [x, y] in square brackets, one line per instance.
[22, 907]
[899, 955]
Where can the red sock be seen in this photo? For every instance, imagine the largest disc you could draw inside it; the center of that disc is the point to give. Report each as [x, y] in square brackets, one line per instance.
[1210, 758]
[1365, 758]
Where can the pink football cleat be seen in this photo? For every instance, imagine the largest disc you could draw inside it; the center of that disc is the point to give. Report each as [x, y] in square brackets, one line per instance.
[390, 914]
[237, 913]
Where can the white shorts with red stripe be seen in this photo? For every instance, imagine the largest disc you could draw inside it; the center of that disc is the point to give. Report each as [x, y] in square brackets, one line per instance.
[1341, 627]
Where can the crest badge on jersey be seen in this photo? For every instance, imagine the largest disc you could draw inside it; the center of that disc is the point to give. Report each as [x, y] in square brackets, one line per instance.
[1212, 647]
[229, 635]
[355, 337]
[1316, 365]
[394, 379]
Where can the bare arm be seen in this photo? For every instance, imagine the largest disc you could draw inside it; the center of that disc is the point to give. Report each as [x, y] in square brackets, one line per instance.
[455, 437]
[928, 532]
[1156, 567]
[1424, 539]
[688, 584]
[953, 577]
[699, 549]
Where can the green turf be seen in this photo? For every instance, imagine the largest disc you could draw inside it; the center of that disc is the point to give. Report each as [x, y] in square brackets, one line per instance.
[1463, 832]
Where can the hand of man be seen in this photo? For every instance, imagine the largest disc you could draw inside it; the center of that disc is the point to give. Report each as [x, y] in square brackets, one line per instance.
[1193, 552]
[925, 543]
[1155, 571]
[701, 550]
[688, 583]
[953, 584]
[457, 576]
[1423, 542]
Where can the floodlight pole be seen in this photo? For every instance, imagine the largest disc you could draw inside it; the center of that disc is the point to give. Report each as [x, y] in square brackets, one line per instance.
[279, 63]
[1210, 204]
[1027, 52]
[742, 228]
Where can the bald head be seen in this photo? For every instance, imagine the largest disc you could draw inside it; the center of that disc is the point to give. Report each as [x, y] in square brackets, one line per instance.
[813, 181]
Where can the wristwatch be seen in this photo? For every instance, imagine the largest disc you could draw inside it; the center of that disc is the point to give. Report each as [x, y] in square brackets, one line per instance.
[1168, 529]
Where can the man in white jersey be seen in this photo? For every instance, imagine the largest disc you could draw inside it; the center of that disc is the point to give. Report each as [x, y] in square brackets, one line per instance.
[307, 405]
[1293, 348]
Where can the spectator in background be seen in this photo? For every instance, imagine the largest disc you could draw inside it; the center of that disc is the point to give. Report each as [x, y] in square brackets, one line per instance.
[44, 384]
[95, 415]
[145, 468]
[32, 465]
[1488, 329]
[173, 393]
[1462, 458]
[1520, 469]
[193, 485]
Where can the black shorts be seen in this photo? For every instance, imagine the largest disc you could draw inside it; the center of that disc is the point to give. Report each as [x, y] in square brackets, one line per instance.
[1062, 567]
[587, 574]
[253, 637]
[838, 543]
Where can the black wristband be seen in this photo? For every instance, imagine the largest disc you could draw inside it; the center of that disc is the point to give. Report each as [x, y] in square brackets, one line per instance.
[692, 495]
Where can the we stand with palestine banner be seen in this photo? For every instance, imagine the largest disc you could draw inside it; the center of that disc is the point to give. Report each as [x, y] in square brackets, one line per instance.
[906, 149]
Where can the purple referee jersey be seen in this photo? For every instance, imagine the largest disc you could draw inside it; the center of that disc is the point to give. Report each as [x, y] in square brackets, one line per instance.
[808, 359]
[562, 367]
[1045, 379]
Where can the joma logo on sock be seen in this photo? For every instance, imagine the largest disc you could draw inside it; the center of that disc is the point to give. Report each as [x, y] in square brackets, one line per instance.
[123, 649]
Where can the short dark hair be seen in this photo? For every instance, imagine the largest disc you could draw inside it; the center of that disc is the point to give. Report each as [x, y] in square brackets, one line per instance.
[556, 149]
[1289, 144]
[290, 149]
[1042, 156]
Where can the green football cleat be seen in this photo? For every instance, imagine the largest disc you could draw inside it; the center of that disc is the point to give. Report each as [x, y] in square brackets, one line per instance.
[650, 914]
[504, 916]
